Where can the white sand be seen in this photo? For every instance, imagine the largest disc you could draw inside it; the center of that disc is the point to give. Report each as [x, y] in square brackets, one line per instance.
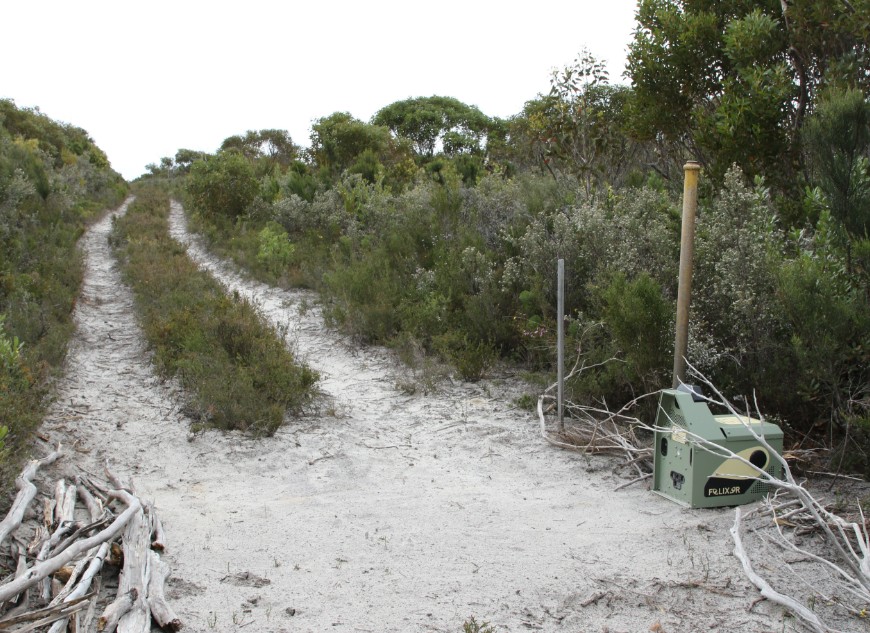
[403, 513]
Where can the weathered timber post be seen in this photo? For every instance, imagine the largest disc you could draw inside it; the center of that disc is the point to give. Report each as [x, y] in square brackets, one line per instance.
[560, 341]
[687, 247]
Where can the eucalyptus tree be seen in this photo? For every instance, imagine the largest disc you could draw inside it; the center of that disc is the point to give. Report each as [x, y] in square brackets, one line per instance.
[433, 123]
[731, 81]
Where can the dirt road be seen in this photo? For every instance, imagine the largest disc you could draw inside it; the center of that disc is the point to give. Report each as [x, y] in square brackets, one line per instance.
[384, 511]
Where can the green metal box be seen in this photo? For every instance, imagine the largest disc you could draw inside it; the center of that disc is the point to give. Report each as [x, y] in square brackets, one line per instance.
[688, 466]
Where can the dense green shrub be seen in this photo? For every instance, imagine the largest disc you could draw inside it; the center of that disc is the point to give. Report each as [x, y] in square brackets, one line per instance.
[276, 251]
[828, 312]
[467, 273]
[224, 184]
[640, 320]
[739, 333]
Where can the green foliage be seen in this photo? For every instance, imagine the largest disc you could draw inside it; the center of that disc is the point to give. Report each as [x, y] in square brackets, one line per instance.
[60, 142]
[738, 332]
[472, 359]
[473, 626]
[53, 180]
[276, 251]
[238, 369]
[829, 316]
[717, 76]
[430, 121]
[437, 230]
[340, 142]
[14, 384]
[271, 148]
[184, 158]
[640, 320]
[837, 140]
[299, 181]
[580, 122]
[223, 184]
[10, 350]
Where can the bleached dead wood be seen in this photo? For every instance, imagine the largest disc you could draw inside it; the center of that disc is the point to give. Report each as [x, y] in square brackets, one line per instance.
[26, 493]
[92, 503]
[596, 430]
[65, 502]
[764, 587]
[160, 609]
[135, 573]
[67, 554]
[74, 591]
[112, 614]
[158, 536]
[849, 540]
[41, 617]
[62, 531]
[81, 577]
[116, 480]
[84, 623]
[44, 568]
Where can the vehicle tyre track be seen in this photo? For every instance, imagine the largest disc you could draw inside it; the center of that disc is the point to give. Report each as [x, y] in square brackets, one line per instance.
[400, 513]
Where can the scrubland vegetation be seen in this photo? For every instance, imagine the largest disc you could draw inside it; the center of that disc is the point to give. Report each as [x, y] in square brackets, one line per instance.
[237, 370]
[436, 227]
[53, 180]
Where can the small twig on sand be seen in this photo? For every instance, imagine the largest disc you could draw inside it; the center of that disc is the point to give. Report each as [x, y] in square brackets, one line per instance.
[633, 481]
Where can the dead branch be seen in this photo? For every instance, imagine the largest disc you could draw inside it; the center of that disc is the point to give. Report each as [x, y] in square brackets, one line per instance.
[839, 533]
[160, 609]
[26, 493]
[75, 591]
[79, 531]
[633, 481]
[135, 573]
[65, 502]
[92, 503]
[116, 480]
[41, 617]
[766, 590]
[44, 568]
[86, 624]
[158, 536]
[112, 614]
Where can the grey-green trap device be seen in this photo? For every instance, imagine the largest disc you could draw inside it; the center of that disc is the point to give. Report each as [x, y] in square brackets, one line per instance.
[689, 473]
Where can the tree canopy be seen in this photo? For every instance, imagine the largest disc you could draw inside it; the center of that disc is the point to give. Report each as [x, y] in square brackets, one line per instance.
[432, 121]
[732, 80]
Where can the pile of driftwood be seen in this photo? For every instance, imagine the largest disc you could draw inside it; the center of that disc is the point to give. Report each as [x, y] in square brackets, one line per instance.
[58, 559]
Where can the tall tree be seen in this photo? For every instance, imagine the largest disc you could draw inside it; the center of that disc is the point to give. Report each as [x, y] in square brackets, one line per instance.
[274, 146]
[429, 121]
[341, 142]
[578, 127]
[731, 80]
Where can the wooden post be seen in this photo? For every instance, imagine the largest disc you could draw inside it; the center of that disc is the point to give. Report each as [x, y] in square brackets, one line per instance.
[687, 247]
[560, 340]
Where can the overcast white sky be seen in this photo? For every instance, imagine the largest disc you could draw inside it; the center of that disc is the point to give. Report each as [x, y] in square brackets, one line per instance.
[147, 78]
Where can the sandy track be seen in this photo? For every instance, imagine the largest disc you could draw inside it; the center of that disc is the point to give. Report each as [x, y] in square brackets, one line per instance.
[401, 513]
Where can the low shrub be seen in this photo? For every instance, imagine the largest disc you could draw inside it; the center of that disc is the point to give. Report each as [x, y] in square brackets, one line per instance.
[238, 370]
